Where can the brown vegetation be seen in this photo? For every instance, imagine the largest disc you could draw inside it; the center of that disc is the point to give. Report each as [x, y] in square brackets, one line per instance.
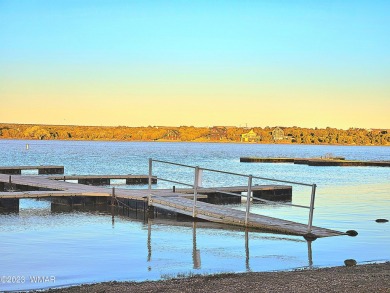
[290, 135]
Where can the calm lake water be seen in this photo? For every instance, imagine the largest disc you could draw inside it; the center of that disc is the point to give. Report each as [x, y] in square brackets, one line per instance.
[88, 246]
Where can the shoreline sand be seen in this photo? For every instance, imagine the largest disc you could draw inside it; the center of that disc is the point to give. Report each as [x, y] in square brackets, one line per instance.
[360, 278]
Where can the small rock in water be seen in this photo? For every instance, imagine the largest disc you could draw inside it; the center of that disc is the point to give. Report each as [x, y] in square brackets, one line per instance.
[351, 233]
[350, 262]
[381, 220]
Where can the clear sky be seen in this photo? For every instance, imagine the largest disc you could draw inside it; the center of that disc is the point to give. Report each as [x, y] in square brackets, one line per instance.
[203, 63]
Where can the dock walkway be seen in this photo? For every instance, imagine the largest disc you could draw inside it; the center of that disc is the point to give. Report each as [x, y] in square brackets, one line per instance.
[179, 202]
[220, 214]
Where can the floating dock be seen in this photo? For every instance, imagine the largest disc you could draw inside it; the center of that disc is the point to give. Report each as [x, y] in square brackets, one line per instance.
[15, 187]
[17, 170]
[316, 161]
[106, 179]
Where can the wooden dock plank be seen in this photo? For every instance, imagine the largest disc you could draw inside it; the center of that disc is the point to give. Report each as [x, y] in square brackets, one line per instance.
[236, 217]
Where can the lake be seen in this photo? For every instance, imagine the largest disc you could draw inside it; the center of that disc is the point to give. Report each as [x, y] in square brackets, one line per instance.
[86, 246]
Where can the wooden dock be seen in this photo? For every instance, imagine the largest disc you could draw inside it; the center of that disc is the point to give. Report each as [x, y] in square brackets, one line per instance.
[17, 170]
[179, 201]
[317, 161]
[106, 179]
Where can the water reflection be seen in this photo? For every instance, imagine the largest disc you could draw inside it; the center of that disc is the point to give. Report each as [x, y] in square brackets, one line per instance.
[149, 245]
[113, 216]
[248, 269]
[309, 254]
[196, 251]
[158, 220]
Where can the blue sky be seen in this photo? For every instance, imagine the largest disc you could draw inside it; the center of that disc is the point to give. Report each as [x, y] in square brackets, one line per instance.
[318, 63]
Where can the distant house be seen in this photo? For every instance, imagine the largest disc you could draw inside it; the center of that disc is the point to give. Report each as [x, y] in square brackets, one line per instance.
[172, 135]
[250, 136]
[278, 134]
[218, 133]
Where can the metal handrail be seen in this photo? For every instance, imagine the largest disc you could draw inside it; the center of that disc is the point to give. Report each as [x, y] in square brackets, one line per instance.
[256, 177]
[195, 186]
[171, 163]
[232, 173]
[264, 200]
[173, 181]
[225, 172]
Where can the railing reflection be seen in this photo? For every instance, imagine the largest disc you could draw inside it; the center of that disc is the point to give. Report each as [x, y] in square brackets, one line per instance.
[309, 254]
[196, 256]
[247, 258]
[149, 245]
[195, 251]
[247, 265]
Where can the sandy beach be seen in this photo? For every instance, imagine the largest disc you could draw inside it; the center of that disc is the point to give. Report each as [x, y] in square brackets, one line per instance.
[360, 278]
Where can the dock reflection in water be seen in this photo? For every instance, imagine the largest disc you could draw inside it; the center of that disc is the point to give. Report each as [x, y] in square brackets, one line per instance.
[108, 236]
[183, 221]
[196, 253]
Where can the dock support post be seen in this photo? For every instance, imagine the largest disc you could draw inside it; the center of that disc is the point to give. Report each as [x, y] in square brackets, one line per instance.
[10, 188]
[196, 183]
[313, 195]
[248, 199]
[150, 182]
[113, 196]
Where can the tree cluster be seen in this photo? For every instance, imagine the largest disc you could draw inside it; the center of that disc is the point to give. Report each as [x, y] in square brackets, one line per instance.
[291, 135]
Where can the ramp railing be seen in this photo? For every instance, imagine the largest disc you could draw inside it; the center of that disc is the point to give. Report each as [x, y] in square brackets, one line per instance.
[197, 186]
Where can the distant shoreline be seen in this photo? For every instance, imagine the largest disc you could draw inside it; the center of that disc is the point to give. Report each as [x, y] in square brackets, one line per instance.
[360, 278]
[211, 142]
[217, 134]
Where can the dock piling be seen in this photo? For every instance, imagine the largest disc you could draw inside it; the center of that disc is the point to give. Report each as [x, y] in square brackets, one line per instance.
[248, 199]
[113, 196]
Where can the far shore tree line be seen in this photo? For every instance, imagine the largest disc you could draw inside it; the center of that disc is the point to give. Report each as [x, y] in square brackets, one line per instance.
[287, 135]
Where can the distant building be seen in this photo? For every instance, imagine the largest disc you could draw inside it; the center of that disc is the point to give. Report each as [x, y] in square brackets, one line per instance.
[172, 135]
[278, 134]
[250, 136]
[218, 133]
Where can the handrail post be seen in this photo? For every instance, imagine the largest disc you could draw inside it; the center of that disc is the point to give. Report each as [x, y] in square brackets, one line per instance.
[313, 195]
[195, 190]
[150, 182]
[248, 199]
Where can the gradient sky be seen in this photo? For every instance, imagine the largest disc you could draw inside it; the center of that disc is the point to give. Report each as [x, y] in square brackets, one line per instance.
[203, 63]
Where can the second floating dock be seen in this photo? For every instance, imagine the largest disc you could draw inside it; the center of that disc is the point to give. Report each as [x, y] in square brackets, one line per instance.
[316, 161]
